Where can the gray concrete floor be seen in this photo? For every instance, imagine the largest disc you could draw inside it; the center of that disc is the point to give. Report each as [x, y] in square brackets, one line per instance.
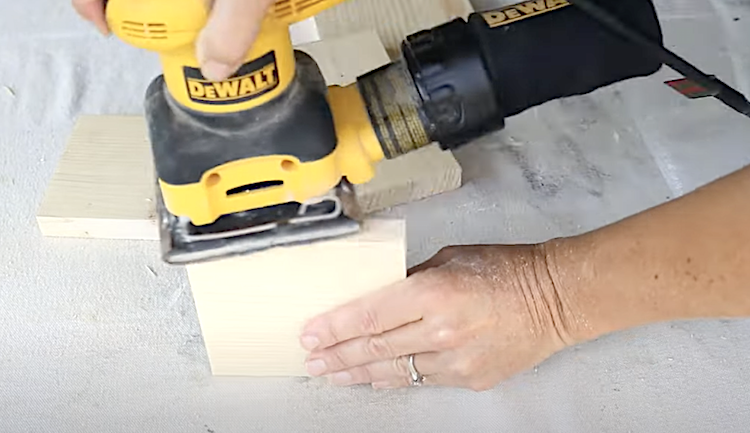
[92, 341]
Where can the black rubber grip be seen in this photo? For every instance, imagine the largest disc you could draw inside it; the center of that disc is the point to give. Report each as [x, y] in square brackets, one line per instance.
[187, 144]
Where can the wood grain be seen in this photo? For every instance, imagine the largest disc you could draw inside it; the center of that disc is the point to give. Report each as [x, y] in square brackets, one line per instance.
[415, 176]
[104, 185]
[252, 308]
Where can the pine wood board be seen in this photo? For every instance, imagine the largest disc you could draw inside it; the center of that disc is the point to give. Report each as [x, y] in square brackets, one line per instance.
[424, 173]
[252, 308]
[104, 185]
[344, 59]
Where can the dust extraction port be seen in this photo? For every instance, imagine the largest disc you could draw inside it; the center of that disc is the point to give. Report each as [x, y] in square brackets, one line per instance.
[254, 187]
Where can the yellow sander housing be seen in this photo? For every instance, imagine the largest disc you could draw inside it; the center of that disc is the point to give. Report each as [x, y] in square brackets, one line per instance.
[260, 150]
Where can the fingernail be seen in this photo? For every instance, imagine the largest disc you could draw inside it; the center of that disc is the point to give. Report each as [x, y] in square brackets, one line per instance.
[309, 342]
[216, 71]
[341, 378]
[316, 367]
[382, 385]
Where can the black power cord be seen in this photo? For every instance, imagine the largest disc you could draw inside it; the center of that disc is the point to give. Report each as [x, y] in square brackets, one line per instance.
[715, 87]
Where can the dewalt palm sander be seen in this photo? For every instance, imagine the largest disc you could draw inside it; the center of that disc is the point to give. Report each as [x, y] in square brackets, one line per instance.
[268, 156]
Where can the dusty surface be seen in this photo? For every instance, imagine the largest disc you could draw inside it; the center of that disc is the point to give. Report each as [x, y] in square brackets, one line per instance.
[100, 336]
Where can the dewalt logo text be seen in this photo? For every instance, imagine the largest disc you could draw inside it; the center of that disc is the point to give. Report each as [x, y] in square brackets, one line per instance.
[252, 80]
[518, 12]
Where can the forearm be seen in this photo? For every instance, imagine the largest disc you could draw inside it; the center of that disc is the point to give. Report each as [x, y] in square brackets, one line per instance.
[686, 259]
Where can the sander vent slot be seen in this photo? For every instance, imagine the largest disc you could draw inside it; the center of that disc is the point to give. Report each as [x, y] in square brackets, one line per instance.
[133, 29]
[254, 187]
[289, 8]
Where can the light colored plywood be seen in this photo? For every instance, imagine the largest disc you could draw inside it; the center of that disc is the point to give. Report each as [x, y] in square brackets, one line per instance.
[417, 175]
[252, 308]
[342, 60]
[304, 32]
[104, 184]
[393, 20]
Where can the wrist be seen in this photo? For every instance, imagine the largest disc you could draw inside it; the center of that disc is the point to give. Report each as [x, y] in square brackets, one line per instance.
[569, 267]
[538, 274]
[602, 278]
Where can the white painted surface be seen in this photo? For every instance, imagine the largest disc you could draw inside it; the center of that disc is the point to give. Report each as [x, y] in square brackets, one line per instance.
[99, 336]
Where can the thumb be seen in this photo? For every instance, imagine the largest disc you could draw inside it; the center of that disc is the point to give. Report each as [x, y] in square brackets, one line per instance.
[439, 259]
[92, 10]
[230, 32]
